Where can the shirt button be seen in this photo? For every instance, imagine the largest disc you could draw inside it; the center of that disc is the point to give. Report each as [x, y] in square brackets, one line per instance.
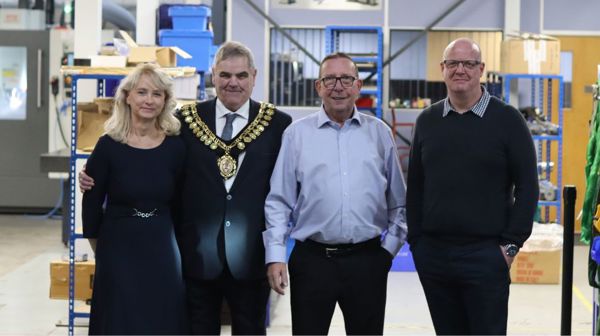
[228, 223]
[229, 197]
[345, 173]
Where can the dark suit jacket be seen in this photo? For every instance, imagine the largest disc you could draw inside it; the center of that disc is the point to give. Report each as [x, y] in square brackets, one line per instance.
[206, 243]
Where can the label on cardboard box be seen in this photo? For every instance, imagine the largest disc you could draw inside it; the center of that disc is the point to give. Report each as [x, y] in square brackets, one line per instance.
[540, 267]
[534, 54]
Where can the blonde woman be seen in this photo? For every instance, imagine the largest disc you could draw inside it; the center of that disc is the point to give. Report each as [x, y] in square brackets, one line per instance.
[137, 167]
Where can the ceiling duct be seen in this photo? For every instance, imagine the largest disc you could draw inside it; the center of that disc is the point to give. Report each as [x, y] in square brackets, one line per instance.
[117, 15]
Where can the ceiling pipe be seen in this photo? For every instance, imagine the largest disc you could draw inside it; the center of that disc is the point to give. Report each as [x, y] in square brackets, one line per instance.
[117, 15]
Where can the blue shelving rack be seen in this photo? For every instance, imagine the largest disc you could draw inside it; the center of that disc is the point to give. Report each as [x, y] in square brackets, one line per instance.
[73, 235]
[339, 39]
[541, 97]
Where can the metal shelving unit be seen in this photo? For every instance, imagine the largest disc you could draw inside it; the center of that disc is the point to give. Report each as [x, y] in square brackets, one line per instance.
[542, 96]
[75, 156]
[368, 56]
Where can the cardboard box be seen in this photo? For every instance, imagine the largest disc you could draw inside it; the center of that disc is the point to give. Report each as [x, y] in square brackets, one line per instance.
[84, 279]
[539, 267]
[531, 56]
[90, 125]
[163, 56]
[105, 104]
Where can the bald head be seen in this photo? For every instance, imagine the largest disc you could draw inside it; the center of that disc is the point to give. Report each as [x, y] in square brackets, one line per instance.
[464, 44]
[462, 69]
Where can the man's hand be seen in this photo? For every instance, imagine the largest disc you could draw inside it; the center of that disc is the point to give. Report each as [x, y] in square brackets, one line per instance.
[85, 182]
[509, 260]
[278, 278]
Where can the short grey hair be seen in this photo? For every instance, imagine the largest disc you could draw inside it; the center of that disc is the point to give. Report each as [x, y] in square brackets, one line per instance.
[232, 49]
[335, 55]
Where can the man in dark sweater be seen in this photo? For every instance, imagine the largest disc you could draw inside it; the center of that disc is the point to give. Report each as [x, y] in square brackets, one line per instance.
[472, 194]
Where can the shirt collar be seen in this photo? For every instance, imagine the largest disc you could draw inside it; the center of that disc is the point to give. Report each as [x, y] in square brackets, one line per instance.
[323, 118]
[243, 111]
[479, 108]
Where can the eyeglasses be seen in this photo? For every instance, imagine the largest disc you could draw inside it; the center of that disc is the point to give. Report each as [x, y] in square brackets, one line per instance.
[467, 64]
[346, 81]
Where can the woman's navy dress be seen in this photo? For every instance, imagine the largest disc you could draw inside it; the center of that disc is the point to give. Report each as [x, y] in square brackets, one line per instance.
[138, 284]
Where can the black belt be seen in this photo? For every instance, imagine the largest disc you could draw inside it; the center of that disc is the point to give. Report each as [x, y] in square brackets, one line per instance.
[136, 211]
[337, 250]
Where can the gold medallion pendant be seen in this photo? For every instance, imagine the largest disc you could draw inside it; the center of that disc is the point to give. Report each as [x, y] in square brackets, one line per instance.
[227, 166]
[226, 163]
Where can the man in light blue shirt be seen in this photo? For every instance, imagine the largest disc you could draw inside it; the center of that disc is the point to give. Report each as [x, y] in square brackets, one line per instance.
[338, 182]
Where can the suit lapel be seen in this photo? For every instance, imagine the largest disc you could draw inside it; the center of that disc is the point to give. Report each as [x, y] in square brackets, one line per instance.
[243, 170]
[208, 115]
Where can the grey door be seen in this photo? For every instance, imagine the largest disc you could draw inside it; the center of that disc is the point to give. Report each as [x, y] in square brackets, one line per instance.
[24, 98]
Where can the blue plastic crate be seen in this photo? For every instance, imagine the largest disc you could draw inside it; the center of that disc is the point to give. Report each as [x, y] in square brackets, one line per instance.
[197, 43]
[189, 17]
[403, 262]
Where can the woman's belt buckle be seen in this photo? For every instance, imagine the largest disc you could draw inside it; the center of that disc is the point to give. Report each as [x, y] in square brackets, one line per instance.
[140, 214]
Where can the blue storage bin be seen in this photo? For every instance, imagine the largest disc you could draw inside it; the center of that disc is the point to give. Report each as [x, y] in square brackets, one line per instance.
[197, 43]
[189, 17]
[403, 262]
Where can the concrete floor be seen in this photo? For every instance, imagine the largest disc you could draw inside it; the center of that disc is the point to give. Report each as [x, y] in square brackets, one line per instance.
[28, 244]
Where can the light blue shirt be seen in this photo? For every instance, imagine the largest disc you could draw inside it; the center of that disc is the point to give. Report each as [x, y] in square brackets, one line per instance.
[336, 185]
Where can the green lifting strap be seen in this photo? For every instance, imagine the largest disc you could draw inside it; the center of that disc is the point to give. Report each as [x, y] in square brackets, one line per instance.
[591, 172]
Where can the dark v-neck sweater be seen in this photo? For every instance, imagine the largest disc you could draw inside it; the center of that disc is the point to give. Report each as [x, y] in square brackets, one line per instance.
[472, 178]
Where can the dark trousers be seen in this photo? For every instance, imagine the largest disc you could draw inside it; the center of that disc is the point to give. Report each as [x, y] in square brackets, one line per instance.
[247, 300]
[356, 280]
[466, 286]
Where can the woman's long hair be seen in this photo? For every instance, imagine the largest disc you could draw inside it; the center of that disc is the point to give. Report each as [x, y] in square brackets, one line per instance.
[118, 125]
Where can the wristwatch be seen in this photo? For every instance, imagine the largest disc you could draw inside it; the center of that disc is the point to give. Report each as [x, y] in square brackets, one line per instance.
[511, 250]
